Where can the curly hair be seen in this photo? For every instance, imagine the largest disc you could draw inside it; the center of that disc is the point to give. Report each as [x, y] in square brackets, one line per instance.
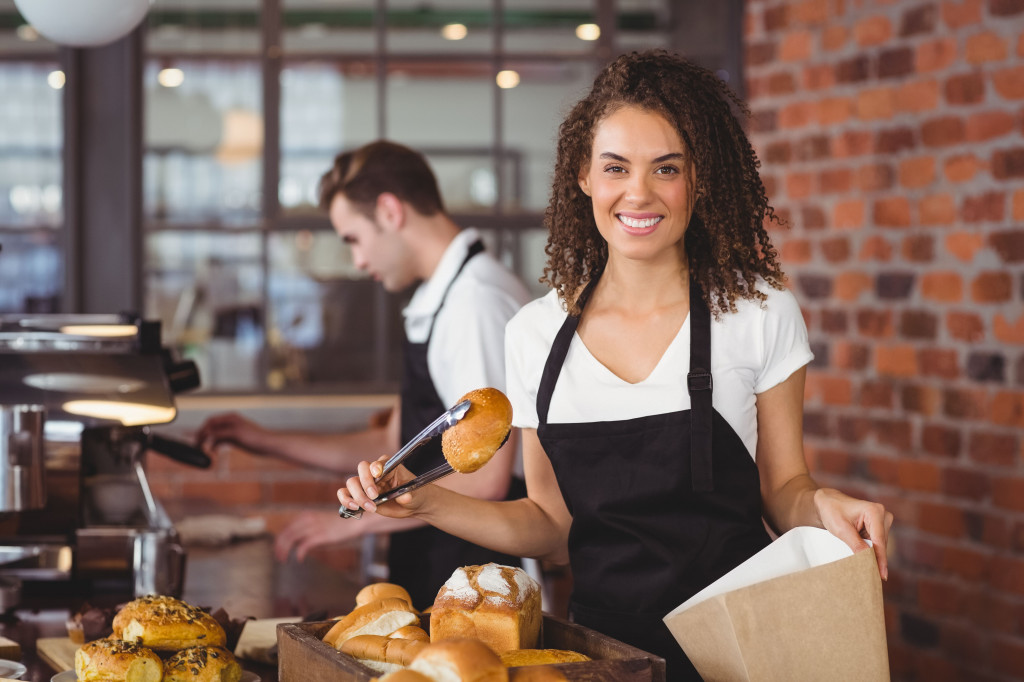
[727, 245]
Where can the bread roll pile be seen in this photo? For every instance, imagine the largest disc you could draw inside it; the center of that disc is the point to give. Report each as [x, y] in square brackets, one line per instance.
[151, 629]
[479, 613]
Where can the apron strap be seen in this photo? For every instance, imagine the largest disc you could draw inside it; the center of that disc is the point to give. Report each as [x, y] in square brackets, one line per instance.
[699, 385]
[559, 349]
[474, 248]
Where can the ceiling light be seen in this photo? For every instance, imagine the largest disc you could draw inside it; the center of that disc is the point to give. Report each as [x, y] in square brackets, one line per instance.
[507, 79]
[170, 78]
[55, 79]
[27, 33]
[454, 31]
[588, 31]
[83, 24]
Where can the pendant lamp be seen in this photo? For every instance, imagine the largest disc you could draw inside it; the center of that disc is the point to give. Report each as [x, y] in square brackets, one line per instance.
[83, 23]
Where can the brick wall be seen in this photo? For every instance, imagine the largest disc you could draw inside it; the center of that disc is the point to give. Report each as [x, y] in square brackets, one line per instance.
[892, 140]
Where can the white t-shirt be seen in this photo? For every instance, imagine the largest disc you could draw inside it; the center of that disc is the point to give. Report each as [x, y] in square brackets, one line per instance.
[467, 349]
[752, 350]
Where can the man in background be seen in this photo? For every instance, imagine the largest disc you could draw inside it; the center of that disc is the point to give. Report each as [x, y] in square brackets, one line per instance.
[383, 201]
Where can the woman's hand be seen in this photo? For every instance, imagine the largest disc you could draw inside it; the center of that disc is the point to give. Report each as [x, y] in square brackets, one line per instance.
[851, 520]
[310, 530]
[360, 490]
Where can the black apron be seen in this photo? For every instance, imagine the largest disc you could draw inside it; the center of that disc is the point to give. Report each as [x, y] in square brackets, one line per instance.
[422, 559]
[655, 518]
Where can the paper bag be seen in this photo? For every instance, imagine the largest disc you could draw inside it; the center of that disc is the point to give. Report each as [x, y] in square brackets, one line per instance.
[803, 608]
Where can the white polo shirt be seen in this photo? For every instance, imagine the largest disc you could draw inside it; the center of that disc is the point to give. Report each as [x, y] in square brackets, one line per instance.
[752, 350]
[467, 349]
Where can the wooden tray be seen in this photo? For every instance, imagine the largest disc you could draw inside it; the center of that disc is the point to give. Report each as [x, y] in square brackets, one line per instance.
[303, 657]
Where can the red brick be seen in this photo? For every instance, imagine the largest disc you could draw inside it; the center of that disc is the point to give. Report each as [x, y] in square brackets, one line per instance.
[832, 461]
[935, 55]
[796, 251]
[883, 470]
[940, 440]
[917, 172]
[238, 492]
[945, 287]
[876, 248]
[818, 77]
[877, 394]
[799, 185]
[1008, 493]
[892, 212]
[918, 96]
[833, 180]
[992, 287]
[941, 519]
[987, 125]
[1008, 575]
[848, 214]
[795, 46]
[968, 88]
[964, 245]
[984, 47]
[994, 448]
[304, 491]
[915, 474]
[964, 403]
[875, 323]
[1009, 82]
[781, 83]
[1009, 245]
[874, 177]
[836, 250]
[966, 484]
[990, 206]
[960, 13]
[834, 37]
[852, 143]
[1018, 205]
[965, 326]
[939, 362]
[962, 167]
[896, 361]
[876, 30]
[1008, 163]
[1007, 655]
[940, 596]
[937, 209]
[876, 103]
[795, 115]
[812, 12]
[836, 390]
[852, 285]
[846, 355]
[969, 564]
[919, 248]
[943, 132]
[926, 400]
[1007, 409]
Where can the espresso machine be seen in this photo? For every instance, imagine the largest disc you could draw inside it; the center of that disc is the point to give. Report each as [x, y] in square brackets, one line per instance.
[78, 397]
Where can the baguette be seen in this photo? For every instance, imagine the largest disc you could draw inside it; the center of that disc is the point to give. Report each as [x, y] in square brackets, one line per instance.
[381, 617]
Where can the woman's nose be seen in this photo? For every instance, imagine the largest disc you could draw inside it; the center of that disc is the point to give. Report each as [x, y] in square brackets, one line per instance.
[638, 190]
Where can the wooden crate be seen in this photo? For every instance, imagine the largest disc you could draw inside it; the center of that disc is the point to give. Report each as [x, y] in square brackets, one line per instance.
[303, 657]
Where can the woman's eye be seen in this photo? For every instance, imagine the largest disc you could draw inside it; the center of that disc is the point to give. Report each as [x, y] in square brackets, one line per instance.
[667, 170]
[614, 169]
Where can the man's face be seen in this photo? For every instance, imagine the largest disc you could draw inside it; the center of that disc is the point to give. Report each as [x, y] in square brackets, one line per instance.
[376, 249]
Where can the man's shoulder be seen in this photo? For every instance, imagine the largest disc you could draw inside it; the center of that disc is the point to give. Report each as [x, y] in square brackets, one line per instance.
[485, 278]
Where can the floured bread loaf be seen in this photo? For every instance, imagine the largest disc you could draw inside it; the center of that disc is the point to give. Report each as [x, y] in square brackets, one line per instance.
[114, 660]
[167, 624]
[202, 664]
[381, 617]
[499, 605]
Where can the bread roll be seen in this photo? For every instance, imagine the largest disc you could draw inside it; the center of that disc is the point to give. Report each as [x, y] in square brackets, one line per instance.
[114, 660]
[202, 664]
[405, 675]
[377, 591]
[167, 624]
[465, 660]
[472, 442]
[380, 653]
[499, 605]
[518, 657]
[413, 632]
[381, 617]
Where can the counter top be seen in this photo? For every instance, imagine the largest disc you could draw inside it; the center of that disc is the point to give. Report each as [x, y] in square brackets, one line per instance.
[242, 578]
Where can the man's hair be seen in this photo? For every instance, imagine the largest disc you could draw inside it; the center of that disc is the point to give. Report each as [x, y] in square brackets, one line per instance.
[727, 245]
[364, 174]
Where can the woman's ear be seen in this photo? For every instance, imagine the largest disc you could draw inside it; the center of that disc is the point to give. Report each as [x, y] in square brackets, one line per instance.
[389, 212]
[584, 181]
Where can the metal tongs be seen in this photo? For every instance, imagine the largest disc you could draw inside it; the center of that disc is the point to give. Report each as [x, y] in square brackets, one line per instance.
[434, 429]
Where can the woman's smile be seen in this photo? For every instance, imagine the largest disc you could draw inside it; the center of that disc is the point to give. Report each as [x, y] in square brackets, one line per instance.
[639, 224]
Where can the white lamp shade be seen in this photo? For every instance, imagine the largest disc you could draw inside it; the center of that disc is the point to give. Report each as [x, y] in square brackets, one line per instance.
[83, 23]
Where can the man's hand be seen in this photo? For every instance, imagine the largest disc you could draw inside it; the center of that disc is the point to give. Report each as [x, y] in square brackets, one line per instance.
[313, 529]
[230, 428]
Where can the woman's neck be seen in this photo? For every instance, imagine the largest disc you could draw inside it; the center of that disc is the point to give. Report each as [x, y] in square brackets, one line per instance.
[643, 286]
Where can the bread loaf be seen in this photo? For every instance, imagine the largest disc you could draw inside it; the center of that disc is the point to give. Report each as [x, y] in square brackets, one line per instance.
[472, 442]
[465, 660]
[381, 653]
[202, 664]
[405, 675]
[499, 605]
[414, 632]
[114, 660]
[381, 617]
[520, 657]
[167, 624]
[376, 591]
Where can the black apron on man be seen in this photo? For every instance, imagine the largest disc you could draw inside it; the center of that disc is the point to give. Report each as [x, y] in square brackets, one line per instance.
[422, 559]
[656, 517]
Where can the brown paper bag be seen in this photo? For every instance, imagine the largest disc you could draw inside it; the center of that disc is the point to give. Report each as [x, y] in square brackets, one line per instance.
[792, 612]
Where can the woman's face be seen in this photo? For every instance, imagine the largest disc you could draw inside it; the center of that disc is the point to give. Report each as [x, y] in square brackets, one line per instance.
[640, 179]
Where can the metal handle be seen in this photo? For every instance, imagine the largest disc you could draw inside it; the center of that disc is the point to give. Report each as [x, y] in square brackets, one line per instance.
[415, 484]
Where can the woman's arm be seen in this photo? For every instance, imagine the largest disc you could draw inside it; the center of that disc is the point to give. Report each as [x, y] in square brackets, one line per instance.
[791, 497]
[536, 526]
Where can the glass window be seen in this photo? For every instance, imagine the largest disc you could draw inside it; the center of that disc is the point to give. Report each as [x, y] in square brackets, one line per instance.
[440, 27]
[31, 168]
[319, 27]
[563, 27]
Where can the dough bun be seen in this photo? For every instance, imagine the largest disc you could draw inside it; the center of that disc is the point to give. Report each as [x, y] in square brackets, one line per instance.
[472, 442]
[114, 660]
[413, 632]
[466, 660]
[405, 675]
[202, 664]
[499, 605]
[381, 617]
[167, 624]
[376, 591]
[518, 657]
[381, 653]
